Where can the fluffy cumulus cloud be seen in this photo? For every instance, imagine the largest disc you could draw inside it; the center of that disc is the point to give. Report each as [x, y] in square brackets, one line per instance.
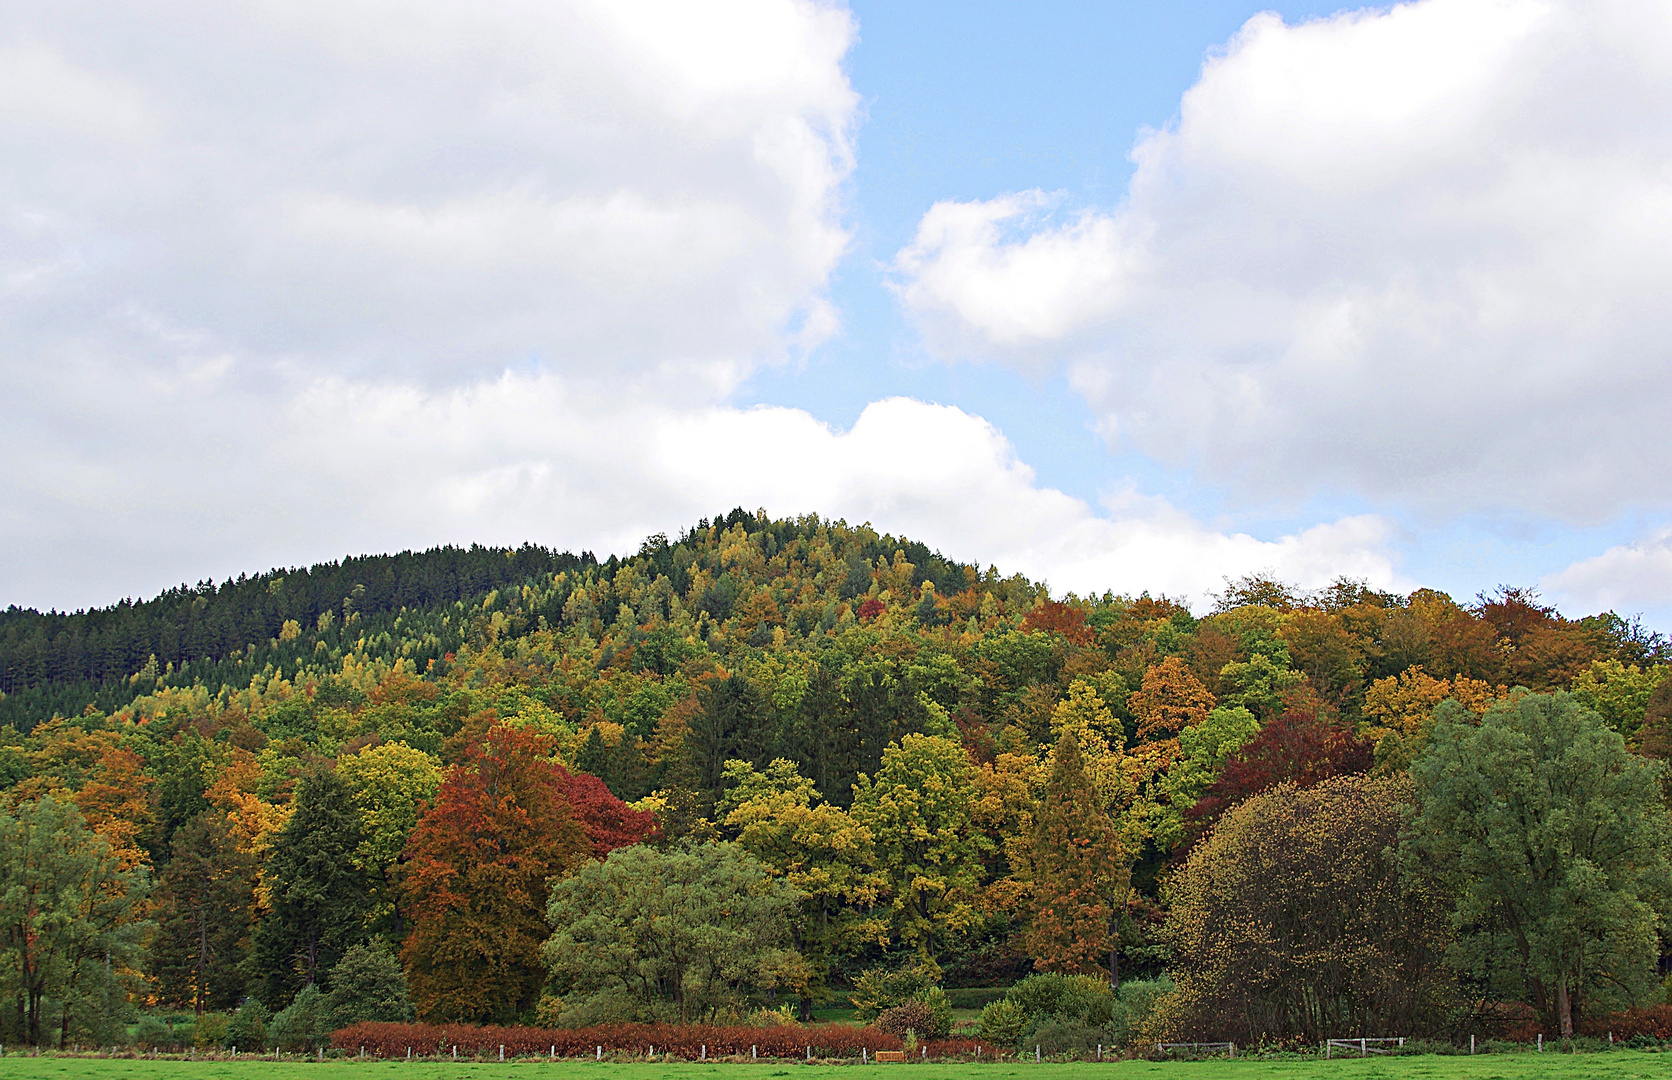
[1629, 577]
[422, 189]
[284, 281]
[1418, 253]
[350, 466]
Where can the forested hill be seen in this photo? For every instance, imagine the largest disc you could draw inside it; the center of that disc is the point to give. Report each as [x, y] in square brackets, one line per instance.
[410, 605]
[218, 634]
[820, 694]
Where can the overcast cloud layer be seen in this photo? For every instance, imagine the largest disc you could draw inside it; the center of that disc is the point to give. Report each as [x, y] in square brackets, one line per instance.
[1418, 255]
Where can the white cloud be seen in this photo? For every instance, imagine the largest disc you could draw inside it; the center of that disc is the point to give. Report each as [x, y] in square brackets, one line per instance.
[424, 189]
[1626, 578]
[326, 467]
[281, 282]
[1418, 253]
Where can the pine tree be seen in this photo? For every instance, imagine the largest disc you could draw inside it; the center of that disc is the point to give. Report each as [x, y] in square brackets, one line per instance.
[1079, 872]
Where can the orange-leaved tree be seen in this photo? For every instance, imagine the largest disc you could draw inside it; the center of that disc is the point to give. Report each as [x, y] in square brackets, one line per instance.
[1080, 875]
[1171, 699]
[474, 886]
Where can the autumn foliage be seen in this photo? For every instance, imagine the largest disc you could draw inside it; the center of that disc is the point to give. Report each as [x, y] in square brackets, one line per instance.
[1297, 748]
[608, 822]
[474, 886]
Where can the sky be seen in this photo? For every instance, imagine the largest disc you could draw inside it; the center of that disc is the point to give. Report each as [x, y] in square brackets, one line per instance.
[1123, 296]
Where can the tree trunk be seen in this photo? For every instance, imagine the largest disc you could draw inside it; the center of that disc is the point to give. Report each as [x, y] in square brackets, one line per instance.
[1114, 946]
[1564, 1009]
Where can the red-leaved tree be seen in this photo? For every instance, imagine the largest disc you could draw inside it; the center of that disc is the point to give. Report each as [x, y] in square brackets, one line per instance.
[1297, 747]
[608, 822]
[473, 887]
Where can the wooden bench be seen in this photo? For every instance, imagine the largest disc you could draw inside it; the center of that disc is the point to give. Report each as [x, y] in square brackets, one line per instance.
[890, 1055]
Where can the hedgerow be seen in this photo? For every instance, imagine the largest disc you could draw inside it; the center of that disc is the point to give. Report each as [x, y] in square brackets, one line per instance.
[679, 1040]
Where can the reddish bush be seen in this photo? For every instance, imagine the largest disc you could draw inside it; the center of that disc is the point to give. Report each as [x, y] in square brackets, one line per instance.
[1655, 1021]
[686, 1041]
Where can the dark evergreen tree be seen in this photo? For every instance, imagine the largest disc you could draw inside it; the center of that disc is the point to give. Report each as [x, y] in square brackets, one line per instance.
[594, 756]
[368, 984]
[733, 722]
[320, 898]
[205, 901]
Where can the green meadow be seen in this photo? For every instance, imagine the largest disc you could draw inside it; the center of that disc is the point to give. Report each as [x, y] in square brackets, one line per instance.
[1619, 1065]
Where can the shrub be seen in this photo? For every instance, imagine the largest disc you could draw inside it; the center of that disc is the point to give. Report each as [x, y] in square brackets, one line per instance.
[910, 1016]
[1003, 1023]
[1075, 1000]
[211, 1031]
[1038, 995]
[1655, 1021]
[248, 1027]
[878, 988]
[304, 1024]
[152, 1034]
[1134, 1005]
[368, 984]
[782, 1016]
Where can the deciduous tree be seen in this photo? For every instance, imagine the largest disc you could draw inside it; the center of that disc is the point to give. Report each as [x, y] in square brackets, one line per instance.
[1554, 839]
[918, 812]
[67, 912]
[1293, 918]
[475, 884]
[670, 935]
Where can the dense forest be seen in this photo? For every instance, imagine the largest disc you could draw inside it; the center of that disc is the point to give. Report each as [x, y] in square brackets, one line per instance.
[440, 784]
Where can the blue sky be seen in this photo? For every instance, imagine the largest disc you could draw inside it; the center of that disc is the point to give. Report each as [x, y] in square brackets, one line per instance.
[1124, 295]
[969, 101]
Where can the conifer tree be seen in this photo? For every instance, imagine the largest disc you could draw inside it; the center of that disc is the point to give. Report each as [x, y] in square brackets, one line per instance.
[1079, 872]
[320, 900]
[206, 900]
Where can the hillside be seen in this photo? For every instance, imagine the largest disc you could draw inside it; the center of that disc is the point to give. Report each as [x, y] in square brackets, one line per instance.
[753, 675]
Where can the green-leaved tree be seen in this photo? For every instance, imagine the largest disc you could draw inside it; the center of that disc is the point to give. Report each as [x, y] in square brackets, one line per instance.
[670, 935]
[1554, 840]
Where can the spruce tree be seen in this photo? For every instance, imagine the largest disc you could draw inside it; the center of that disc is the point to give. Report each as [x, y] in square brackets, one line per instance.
[206, 899]
[320, 896]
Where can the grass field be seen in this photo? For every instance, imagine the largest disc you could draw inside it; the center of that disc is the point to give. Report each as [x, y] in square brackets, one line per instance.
[1619, 1065]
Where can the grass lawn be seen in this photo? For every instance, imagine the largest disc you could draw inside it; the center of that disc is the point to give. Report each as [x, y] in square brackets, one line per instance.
[1618, 1065]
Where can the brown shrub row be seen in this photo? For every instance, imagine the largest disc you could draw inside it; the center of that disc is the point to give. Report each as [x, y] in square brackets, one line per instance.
[1655, 1020]
[680, 1040]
